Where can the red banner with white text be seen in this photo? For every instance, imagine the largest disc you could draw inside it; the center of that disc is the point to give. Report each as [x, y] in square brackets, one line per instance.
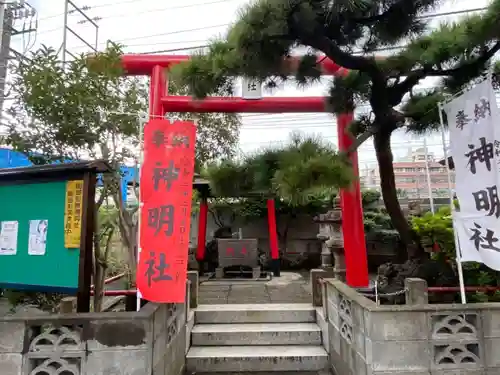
[166, 189]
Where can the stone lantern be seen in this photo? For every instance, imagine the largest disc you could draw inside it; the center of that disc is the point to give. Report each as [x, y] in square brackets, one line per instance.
[330, 232]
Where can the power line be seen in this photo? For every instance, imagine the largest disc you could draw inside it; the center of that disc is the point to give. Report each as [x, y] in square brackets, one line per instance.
[184, 42]
[394, 146]
[430, 16]
[164, 9]
[171, 33]
[161, 10]
[157, 35]
[201, 46]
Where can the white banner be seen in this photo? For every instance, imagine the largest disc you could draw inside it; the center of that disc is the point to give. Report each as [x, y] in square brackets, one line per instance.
[478, 239]
[476, 154]
[475, 149]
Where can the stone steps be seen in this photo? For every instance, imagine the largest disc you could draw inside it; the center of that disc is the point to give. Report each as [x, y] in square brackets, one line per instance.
[256, 334]
[320, 372]
[266, 338]
[256, 358]
[255, 313]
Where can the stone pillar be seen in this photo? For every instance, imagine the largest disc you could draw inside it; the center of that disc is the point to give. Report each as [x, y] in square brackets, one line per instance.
[330, 232]
[317, 285]
[326, 255]
[67, 305]
[193, 286]
[416, 291]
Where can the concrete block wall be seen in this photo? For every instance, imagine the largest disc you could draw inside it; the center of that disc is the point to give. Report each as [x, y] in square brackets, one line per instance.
[169, 339]
[149, 342]
[301, 237]
[367, 339]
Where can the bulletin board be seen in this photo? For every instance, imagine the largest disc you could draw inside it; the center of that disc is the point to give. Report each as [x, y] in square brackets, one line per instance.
[54, 269]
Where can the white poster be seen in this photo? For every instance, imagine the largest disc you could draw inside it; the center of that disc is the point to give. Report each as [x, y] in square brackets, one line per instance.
[475, 149]
[478, 239]
[8, 237]
[37, 241]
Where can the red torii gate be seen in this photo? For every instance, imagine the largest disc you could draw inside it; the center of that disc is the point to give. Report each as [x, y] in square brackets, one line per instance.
[352, 214]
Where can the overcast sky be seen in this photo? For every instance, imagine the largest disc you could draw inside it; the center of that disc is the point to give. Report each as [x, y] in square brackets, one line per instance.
[153, 25]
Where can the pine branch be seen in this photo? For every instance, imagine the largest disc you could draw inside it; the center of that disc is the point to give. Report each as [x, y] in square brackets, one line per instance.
[397, 92]
[359, 141]
[475, 63]
[344, 59]
[395, 9]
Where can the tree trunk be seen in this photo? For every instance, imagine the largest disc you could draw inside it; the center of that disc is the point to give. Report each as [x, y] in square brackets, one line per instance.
[382, 142]
[128, 232]
[101, 264]
[283, 236]
[98, 287]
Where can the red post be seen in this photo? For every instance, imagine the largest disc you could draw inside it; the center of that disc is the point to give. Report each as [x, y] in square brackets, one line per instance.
[202, 230]
[352, 215]
[273, 237]
[157, 90]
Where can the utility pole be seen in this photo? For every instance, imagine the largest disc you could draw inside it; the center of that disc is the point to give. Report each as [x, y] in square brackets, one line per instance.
[9, 12]
[71, 8]
[5, 35]
[428, 176]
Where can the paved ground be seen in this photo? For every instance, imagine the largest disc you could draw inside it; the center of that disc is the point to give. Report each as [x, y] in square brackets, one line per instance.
[290, 287]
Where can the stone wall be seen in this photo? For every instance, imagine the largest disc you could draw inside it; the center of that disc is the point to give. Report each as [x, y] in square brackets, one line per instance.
[152, 341]
[301, 238]
[301, 244]
[364, 338]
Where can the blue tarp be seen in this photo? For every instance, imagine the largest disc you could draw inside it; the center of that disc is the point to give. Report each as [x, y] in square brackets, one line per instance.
[14, 159]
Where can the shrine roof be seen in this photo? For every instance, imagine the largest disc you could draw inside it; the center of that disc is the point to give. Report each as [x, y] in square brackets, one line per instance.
[64, 171]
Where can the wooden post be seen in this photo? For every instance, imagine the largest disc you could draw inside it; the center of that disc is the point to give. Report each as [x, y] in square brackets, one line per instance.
[86, 243]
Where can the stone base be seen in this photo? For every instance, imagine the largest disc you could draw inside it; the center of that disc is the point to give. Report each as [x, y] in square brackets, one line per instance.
[275, 266]
[256, 273]
[219, 273]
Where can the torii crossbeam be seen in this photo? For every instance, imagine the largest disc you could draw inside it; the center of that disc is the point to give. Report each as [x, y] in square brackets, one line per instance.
[160, 103]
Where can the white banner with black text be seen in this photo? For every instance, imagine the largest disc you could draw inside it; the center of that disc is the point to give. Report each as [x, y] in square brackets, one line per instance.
[476, 156]
[478, 239]
[475, 149]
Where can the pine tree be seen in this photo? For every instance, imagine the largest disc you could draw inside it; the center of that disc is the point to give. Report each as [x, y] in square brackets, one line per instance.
[349, 32]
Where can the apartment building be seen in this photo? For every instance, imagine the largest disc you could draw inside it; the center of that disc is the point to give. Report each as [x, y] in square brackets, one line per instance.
[411, 176]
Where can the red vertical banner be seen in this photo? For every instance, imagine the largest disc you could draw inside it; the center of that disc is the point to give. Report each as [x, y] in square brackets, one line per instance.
[166, 186]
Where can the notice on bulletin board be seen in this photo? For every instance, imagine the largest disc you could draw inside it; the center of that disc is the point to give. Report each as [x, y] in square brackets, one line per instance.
[8, 237]
[73, 214]
[37, 241]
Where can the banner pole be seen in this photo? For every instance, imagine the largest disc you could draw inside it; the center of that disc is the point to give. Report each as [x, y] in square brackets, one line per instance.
[143, 118]
[428, 177]
[452, 207]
